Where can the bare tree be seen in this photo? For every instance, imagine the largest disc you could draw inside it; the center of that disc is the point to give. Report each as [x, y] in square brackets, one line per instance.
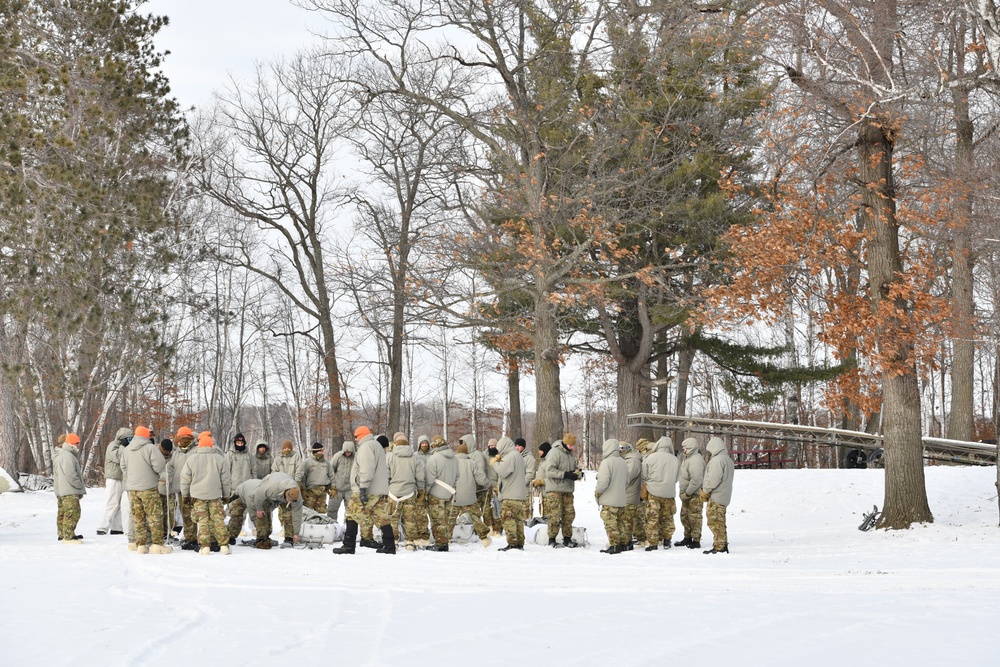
[268, 156]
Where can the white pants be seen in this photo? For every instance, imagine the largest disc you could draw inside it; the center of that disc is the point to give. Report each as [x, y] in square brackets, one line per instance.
[113, 506]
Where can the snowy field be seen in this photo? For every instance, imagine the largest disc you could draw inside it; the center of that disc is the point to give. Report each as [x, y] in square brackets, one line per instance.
[802, 586]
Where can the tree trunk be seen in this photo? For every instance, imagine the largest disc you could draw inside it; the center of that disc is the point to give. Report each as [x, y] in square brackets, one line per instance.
[396, 365]
[514, 397]
[905, 494]
[633, 397]
[9, 442]
[662, 393]
[684, 362]
[963, 348]
[548, 406]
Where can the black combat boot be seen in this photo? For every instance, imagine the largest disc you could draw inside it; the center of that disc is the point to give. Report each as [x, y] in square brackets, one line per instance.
[553, 543]
[683, 543]
[612, 549]
[213, 547]
[694, 545]
[713, 550]
[117, 532]
[436, 547]
[190, 545]
[666, 544]
[369, 544]
[653, 547]
[388, 541]
[232, 541]
[519, 547]
[350, 539]
[570, 542]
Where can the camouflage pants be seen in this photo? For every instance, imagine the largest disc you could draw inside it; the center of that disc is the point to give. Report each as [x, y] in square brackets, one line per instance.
[190, 527]
[614, 525]
[315, 498]
[374, 513]
[262, 524]
[147, 516]
[437, 508]
[210, 515]
[512, 516]
[660, 519]
[484, 506]
[629, 513]
[285, 517]
[422, 525]
[716, 516]
[477, 524]
[561, 513]
[334, 503]
[408, 513]
[691, 517]
[639, 522]
[68, 516]
[237, 514]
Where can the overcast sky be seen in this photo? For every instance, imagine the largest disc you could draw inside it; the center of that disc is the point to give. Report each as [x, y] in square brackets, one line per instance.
[209, 39]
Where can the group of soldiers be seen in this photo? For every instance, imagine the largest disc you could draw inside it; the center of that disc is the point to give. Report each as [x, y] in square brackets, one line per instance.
[637, 486]
[404, 495]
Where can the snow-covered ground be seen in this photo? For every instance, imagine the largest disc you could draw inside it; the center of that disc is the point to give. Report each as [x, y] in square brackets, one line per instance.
[801, 586]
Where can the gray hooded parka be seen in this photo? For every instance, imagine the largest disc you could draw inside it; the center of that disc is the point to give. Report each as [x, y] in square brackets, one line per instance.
[718, 480]
[692, 469]
[660, 469]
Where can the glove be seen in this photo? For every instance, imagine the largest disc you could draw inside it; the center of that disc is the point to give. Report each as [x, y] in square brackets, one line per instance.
[578, 474]
[495, 459]
[705, 495]
[570, 474]
[333, 490]
[685, 496]
[597, 496]
[538, 482]
[363, 496]
[644, 494]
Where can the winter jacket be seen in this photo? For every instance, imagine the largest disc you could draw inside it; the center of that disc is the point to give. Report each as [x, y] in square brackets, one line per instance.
[141, 464]
[692, 470]
[402, 472]
[543, 468]
[469, 480]
[510, 471]
[112, 455]
[559, 461]
[240, 466]
[660, 468]
[206, 475]
[479, 460]
[342, 465]
[633, 491]
[420, 469]
[171, 473]
[443, 467]
[612, 477]
[273, 488]
[178, 458]
[316, 473]
[247, 492]
[530, 466]
[718, 473]
[290, 464]
[66, 476]
[371, 471]
[262, 464]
